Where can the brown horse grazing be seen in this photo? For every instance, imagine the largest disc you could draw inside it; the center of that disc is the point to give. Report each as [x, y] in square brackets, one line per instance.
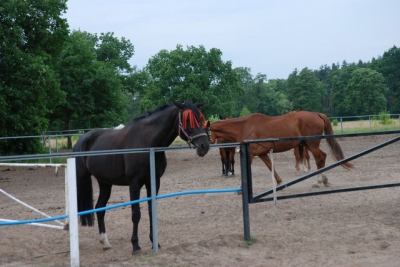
[295, 124]
[302, 159]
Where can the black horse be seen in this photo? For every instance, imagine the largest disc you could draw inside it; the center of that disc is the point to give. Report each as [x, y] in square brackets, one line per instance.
[156, 129]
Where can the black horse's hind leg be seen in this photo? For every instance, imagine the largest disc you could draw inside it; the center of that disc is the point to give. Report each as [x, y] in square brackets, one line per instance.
[148, 190]
[104, 196]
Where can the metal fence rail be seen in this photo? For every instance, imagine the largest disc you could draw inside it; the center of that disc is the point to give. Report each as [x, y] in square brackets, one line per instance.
[246, 175]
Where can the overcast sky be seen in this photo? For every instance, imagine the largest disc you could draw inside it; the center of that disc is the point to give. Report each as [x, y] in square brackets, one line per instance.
[271, 37]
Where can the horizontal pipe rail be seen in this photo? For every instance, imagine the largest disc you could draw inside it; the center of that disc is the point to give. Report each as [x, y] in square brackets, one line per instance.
[334, 191]
[304, 177]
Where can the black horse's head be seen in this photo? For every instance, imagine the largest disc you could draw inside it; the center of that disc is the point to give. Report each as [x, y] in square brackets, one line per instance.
[191, 126]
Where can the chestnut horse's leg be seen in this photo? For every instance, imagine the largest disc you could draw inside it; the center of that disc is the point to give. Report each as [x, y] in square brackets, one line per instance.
[265, 158]
[223, 161]
[320, 158]
[232, 160]
[226, 161]
[306, 162]
[134, 192]
[104, 196]
[298, 160]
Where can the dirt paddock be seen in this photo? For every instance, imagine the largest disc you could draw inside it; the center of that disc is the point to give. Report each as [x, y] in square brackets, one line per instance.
[347, 229]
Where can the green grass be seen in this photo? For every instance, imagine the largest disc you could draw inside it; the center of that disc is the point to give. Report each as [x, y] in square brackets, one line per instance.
[248, 243]
[365, 126]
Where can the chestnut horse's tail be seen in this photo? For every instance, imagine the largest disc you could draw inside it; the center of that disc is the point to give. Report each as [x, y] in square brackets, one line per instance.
[301, 151]
[333, 144]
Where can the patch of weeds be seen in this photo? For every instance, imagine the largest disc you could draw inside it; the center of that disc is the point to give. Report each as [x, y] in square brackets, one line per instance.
[248, 243]
[147, 258]
[395, 225]
[239, 259]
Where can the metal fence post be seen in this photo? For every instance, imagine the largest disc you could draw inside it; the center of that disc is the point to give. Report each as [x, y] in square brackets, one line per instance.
[153, 201]
[244, 166]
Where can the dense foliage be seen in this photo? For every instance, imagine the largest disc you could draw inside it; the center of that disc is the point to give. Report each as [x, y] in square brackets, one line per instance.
[55, 79]
[30, 34]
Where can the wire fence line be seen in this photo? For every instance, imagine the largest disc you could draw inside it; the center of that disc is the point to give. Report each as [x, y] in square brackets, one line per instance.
[54, 146]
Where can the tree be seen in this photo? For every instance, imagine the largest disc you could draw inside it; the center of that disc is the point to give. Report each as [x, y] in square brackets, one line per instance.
[324, 75]
[388, 65]
[340, 79]
[193, 74]
[260, 95]
[266, 97]
[278, 102]
[304, 90]
[117, 52]
[245, 82]
[96, 95]
[365, 92]
[31, 34]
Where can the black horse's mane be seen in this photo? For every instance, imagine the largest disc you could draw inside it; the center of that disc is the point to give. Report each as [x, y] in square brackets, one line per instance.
[147, 114]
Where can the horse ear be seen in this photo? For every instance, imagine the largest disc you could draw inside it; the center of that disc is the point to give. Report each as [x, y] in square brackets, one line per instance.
[179, 105]
[199, 105]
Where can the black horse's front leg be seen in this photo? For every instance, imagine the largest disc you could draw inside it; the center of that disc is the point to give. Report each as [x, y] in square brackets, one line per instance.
[134, 192]
[135, 220]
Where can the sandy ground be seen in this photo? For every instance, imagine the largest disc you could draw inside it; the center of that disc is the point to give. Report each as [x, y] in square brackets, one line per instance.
[348, 229]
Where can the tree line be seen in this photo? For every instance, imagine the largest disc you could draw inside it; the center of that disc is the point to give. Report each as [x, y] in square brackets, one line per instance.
[53, 78]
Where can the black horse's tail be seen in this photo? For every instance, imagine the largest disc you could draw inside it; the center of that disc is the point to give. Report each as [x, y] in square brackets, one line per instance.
[85, 199]
[84, 185]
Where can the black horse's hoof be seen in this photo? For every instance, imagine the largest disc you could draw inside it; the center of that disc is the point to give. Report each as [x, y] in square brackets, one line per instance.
[136, 250]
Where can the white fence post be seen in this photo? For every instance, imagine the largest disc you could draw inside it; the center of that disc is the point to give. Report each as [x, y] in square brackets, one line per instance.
[73, 213]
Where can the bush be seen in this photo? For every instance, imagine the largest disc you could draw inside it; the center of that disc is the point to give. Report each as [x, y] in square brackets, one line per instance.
[245, 112]
[335, 122]
[384, 118]
[213, 118]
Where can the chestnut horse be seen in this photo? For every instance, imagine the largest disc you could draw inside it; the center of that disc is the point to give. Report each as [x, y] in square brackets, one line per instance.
[155, 129]
[295, 124]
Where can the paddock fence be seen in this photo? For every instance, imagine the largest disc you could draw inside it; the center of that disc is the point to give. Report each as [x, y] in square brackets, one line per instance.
[246, 180]
[71, 194]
